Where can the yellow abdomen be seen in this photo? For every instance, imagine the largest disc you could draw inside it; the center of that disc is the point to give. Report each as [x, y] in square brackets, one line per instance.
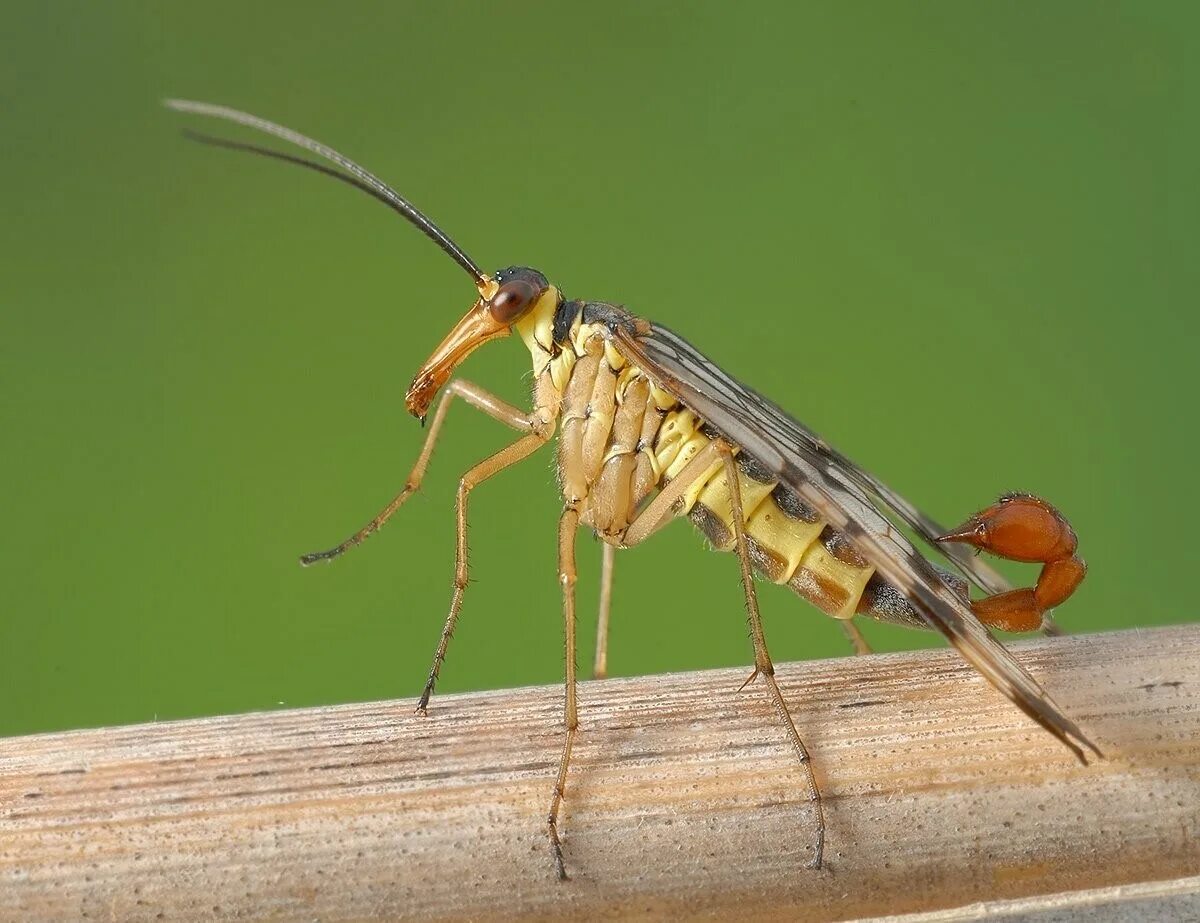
[787, 541]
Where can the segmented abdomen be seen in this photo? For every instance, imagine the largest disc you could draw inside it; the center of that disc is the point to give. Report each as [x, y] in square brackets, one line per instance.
[787, 541]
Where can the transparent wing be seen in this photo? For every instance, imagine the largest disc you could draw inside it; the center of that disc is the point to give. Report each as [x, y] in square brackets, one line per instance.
[840, 493]
[971, 565]
[968, 563]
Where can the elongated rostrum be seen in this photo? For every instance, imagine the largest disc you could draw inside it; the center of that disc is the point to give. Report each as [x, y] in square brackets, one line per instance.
[649, 430]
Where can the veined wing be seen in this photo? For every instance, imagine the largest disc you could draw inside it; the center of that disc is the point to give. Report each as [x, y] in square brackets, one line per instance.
[971, 565]
[821, 478]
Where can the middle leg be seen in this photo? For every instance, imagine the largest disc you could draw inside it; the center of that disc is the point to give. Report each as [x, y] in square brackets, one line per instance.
[475, 397]
[657, 513]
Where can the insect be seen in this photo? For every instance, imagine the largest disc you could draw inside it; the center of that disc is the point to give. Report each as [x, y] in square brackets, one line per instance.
[650, 430]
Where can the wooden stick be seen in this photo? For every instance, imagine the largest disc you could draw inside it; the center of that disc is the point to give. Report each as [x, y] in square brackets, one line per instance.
[684, 799]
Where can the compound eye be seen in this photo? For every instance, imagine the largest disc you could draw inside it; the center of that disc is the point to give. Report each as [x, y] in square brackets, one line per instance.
[513, 300]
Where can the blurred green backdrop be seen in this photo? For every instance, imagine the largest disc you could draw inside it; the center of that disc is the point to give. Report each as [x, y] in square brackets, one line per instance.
[957, 239]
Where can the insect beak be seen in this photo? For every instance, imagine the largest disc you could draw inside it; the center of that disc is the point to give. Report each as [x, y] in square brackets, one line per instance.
[477, 327]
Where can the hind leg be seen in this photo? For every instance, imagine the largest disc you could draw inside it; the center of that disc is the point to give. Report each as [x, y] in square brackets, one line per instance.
[855, 637]
[1022, 527]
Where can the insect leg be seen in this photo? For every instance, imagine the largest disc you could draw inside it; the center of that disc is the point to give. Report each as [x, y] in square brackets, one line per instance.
[855, 637]
[475, 397]
[763, 666]
[506, 457]
[657, 513]
[568, 527]
[600, 667]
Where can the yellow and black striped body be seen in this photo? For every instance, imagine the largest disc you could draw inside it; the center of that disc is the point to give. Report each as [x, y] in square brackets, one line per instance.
[622, 438]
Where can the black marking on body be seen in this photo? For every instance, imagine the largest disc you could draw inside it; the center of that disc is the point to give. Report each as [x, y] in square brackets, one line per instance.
[707, 522]
[763, 559]
[611, 316]
[840, 547]
[564, 319]
[880, 600]
[791, 505]
[754, 469]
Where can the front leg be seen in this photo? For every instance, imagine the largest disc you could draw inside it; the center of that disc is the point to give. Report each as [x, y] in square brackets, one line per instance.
[476, 397]
[1023, 527]
[538, 432]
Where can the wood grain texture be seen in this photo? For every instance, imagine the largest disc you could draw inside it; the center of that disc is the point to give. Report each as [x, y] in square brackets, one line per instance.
[1176, 900]
[684, 798]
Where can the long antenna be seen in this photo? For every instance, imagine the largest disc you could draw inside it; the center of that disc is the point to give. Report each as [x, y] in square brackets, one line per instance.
[201, 138]
[361, 178]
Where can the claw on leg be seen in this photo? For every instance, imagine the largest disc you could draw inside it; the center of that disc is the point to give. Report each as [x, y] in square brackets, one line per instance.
[1022, 527]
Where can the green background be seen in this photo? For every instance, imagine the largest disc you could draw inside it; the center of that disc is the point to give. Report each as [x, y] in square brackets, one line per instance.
[956, 239]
